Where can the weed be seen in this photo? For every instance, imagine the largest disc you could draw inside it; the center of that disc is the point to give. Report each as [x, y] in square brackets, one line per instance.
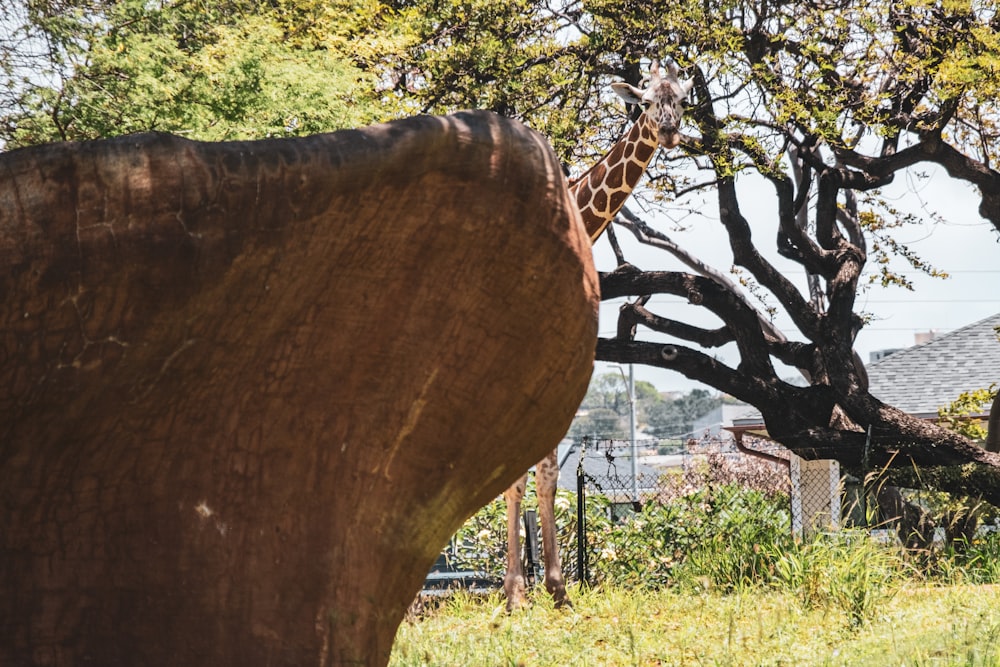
[845, 570]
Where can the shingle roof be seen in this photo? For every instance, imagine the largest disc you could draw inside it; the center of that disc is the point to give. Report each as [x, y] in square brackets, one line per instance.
[922, 378]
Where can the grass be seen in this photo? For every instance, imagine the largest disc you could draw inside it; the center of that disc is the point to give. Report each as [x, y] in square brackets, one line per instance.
[918, 626]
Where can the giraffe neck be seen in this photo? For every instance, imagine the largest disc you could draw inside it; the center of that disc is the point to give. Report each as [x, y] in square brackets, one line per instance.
[602, 191]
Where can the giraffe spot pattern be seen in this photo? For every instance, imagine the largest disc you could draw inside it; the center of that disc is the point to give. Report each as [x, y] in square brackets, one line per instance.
[617, 153]
[616, 177]
[618, 198]
[643, 152]
[633, 171]
[597, 175]
[601, 200]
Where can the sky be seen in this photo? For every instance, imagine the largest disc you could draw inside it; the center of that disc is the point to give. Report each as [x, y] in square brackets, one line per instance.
[952, 237]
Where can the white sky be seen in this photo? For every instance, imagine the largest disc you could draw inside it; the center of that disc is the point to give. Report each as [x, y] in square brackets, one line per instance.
[962, 244]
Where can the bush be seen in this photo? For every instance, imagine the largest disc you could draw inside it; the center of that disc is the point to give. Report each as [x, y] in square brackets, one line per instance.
[743, 534]
[727, 537]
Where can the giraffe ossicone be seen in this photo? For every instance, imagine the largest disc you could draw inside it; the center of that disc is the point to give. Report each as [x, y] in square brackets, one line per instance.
[599, 194]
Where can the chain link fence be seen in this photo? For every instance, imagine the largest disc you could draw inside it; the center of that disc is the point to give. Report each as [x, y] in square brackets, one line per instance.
[662, 470]
[627, 477]
[605, 479]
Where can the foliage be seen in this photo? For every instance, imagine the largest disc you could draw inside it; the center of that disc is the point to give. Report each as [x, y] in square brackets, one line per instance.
[725, 537]
[730, 539]
[977, 562]
[207, 71]
[955, 415]
[676, 418]
[958, 515]
[919, 625]
[481, 543]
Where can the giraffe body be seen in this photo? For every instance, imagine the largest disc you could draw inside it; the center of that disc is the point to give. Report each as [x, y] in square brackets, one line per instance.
[599, 194]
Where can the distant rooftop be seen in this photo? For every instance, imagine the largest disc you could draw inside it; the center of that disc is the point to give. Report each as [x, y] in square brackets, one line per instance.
[922, 378]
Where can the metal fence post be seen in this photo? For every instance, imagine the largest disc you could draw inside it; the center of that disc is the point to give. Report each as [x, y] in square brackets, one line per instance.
[532, 556]
[865, 464]
[581, 517]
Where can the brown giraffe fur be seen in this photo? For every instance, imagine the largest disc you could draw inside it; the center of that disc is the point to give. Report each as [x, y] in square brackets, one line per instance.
[599, 194]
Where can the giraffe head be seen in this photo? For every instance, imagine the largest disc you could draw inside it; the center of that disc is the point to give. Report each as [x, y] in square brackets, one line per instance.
[662, 100]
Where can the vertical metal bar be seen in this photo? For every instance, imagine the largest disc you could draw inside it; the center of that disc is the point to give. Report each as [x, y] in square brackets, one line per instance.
[631, 430]
[865, 456]
[531, 546]
[581, 518]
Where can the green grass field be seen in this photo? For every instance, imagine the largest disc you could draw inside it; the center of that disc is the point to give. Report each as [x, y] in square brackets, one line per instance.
[915, 626]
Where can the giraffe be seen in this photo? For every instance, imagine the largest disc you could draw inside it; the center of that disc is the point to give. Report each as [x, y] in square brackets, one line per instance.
[599, 194]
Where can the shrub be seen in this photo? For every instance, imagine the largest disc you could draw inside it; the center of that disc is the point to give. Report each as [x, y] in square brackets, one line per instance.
[727, 537]
[742, 535]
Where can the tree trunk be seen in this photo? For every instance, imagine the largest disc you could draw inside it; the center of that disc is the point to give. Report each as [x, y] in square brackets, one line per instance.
[249, 389]
[993, 432]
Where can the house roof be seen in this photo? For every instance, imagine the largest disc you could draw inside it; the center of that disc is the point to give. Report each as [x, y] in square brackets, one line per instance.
[922, 378]
[724, 415]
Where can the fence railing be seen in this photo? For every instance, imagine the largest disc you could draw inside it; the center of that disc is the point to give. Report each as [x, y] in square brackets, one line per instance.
[627, 477]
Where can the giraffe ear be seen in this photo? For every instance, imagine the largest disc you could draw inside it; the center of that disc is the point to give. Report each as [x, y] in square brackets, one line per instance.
[627, 92]
[686, 87]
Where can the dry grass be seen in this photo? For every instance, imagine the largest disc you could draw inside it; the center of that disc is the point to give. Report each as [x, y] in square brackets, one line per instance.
[957, 625]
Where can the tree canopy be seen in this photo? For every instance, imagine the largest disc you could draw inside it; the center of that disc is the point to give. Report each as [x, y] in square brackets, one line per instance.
[824, 102]
[212, 71]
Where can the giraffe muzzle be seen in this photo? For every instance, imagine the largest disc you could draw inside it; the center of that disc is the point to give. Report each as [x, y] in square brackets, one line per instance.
[669, 138]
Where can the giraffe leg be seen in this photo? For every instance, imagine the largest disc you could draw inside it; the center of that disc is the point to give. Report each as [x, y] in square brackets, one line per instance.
[513, 581]
[546, 481]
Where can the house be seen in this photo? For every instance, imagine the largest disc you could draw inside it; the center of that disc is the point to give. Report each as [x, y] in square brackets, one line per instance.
[712, 423]
[923, 378]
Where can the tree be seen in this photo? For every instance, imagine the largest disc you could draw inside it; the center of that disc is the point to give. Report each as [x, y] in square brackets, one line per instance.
[213, 71]
[605, 409]
[824, 103]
